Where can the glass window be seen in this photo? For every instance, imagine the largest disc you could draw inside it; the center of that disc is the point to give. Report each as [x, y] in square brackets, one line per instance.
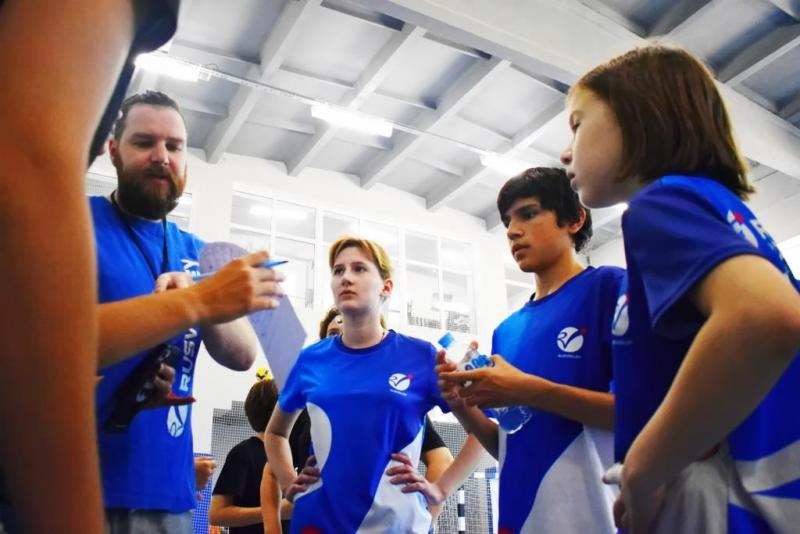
[182, 212]
[513, 273]
[295, 220]
[99, 186]
[249, 240]
[336, 226]
[423, 296]
[456, 255]
[457, 302]
[383, 234]
[517, 296]
[299, 283]
[422, 248]
[252, 211]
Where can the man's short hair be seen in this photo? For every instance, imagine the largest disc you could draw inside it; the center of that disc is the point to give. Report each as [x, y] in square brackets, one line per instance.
[550, 186]
[151, 98]
[260, 403]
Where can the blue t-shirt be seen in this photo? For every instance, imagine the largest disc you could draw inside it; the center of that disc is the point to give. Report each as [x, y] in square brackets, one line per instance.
[676, 231]
[149, 466]
[364, 404]
[551, 469]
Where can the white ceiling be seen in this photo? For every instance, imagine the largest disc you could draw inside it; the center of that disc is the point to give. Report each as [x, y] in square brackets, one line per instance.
[491, 74]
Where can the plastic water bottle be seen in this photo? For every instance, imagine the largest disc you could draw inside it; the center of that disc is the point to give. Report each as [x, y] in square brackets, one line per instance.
[511, 418]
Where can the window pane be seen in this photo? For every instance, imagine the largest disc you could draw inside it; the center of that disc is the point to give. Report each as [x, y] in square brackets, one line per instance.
[457, 301]
[513, 273]
[252, 211]
[456, 255]
[250, 241]
[384, 235]
[422, 248]
[182, 222]
[296, 220]
[97, 186]
[336, 226]
[423, 296]
[299, 283]
[517, 296]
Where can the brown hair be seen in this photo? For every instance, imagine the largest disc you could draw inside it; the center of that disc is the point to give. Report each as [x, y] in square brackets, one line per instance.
[672, 117]
[260, 403]
[372, 249]
[333, 311]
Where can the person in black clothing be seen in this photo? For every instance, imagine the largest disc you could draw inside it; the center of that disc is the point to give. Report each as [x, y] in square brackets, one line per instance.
[236, 502]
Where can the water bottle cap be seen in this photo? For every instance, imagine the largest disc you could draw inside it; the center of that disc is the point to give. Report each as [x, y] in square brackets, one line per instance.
[446, 340]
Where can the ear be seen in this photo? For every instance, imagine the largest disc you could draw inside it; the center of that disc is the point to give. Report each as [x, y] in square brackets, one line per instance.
[575, 227]
[113, 150]
[388, 287]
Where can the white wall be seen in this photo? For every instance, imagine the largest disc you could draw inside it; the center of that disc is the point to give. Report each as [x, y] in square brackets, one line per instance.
[212, 188]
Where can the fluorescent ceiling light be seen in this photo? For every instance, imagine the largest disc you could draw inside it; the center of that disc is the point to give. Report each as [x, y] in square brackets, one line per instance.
[351, 120]
[504, 165]
[163, 64]
[292, 214]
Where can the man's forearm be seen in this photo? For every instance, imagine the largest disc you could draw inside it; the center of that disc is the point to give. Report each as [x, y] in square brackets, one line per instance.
[129, 326]
[593, 408]
[233, 344]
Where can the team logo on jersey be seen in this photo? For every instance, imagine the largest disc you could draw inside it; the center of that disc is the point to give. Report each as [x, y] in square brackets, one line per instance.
[570, 339]
[739, 225]
[400, 381]
[176, 420]
[619, 326]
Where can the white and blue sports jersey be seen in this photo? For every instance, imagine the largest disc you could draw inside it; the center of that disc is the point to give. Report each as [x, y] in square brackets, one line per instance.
[551, 469]
[149, 466]
[364, 404]
[676, 230]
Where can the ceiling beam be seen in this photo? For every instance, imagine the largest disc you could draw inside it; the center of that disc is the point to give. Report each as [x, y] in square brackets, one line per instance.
[453, 100]
[763, 52]
[523, 139]
[553, 35]
[378, 69]
[680, 15]
[613, 15]
[790, 7]
[791, 111]
[274, 50]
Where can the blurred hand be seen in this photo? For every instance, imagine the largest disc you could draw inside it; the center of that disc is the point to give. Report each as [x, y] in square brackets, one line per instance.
[450, 389]
[163, 396]
[239, 288]
[203, 469]
[308, 476]
[499, 385]
[173, 280]
[412, 481]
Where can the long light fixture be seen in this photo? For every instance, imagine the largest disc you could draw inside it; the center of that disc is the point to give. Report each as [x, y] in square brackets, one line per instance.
[505, 165]
[160, 63]
[351, 120]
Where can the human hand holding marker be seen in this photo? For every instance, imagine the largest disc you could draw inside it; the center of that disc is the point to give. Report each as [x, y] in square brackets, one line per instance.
[242, 286]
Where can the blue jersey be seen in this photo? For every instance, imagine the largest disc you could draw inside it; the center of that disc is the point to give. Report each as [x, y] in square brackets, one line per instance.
[149, 466]
[364, 404]
[551, 469]
[677, 230]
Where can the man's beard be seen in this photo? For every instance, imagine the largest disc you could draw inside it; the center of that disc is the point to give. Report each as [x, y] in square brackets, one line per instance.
[138, 198]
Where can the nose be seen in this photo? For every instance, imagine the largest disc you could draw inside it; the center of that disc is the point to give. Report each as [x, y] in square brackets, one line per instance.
[513, 231]
[159, 154]
[566, 155]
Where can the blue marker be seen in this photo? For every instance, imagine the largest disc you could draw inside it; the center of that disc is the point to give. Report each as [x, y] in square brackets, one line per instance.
[266, 265]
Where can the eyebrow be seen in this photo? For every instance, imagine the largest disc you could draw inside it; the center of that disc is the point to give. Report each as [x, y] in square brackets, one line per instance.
[147, 136]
